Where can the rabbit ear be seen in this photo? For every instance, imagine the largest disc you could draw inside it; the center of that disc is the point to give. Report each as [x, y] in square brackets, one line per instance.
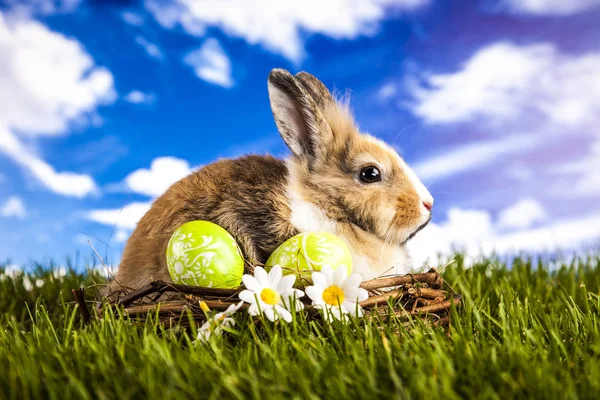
[317, 90]
[297, 116]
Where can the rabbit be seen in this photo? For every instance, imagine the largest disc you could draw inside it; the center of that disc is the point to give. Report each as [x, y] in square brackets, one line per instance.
[336, 180]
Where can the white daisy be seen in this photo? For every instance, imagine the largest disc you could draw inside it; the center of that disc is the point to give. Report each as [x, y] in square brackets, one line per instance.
[216, 324]
[271, 293]
[336, 293]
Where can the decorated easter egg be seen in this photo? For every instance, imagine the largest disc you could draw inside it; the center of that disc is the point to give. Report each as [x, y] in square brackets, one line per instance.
[311, 251]
[201, 253]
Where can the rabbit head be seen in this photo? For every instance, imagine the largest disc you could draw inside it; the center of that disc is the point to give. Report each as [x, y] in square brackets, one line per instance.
[355, 184]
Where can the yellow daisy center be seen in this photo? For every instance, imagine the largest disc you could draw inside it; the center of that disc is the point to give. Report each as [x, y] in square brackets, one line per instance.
[333, 295]
[269, 296]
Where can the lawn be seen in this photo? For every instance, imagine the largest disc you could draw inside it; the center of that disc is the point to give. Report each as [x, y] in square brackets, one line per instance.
[528, 331]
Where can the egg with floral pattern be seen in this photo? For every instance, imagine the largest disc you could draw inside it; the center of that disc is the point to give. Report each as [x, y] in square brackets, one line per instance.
[201, 253]
[310, 251]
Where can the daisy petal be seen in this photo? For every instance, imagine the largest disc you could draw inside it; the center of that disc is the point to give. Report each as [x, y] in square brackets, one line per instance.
[315, 293]
[333, 313]
[204, 335]
[356, 294]
[205, 327]
[284, 314]
[352, 282]
[251, 283]
[327, 271]
[327, 314]
[233, 308]
[275, 276]
[339, 276]
[359, 312]
[261, 276]
[253, 309]
[299, 306]
[290, 300]
[228, 322]
[248, 296]
[286, 283]
[270, 314]
[218, 316]
[319, 279]
[362, 294]
[349, 306]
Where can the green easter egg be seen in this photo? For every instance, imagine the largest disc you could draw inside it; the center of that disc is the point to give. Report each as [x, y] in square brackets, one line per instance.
[311, 251]
[201, 253]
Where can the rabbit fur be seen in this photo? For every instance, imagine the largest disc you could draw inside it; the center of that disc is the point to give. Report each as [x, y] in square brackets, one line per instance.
[263, 201]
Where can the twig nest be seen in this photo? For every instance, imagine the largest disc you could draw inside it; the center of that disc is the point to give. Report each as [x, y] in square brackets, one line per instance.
[201, 253]
[307, 252]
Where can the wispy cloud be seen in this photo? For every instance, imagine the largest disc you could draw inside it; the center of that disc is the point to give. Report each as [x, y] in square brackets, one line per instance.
[125, 218]
[31, 102]
[504, 83]
[31, 105]
[163, 172]
[549, 7]
[467, 157]
[151, 49]
[151, 182]
[279, 26]
[139, 97]
[504, 89]
[580, 177]
[211, 63]
[63, 183]
[522, 215]
[43, 7]
[476, 233]
[132, 18]
[13, 207]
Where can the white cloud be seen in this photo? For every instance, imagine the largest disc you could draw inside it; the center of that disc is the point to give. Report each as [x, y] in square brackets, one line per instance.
[580, 177]
[504, 83]
[279, 26]
[31, 105]
[211, 63]
[43, 7]
[505, 89]
[550, 7]
[467, 157]
[151, 49]
[13, 207]
[63, 183]
[138, 97]
[152, 182]
[522, 215]
[163, 172]
[132, 18]
[122, 235]
[387, 91]
[124, 218]
[463, 229]
[473, 232]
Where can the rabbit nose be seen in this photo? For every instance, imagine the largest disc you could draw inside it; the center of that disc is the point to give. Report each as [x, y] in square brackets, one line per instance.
[428, 205]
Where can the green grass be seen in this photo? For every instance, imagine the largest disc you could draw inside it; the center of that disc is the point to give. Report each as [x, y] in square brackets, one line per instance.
[524, 332]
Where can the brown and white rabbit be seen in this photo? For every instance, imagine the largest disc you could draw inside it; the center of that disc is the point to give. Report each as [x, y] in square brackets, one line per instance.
[336, 180]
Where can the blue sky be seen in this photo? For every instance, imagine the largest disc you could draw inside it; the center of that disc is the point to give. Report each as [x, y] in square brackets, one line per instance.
[103, 104]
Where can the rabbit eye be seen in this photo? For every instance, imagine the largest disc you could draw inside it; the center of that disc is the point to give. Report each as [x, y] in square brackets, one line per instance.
[370, 174]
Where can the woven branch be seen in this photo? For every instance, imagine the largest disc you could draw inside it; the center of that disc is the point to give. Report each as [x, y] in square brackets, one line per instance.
[162, 287]
[413, 295]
